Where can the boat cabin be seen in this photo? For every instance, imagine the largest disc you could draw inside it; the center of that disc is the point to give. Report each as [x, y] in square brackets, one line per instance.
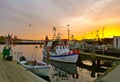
[61, 49]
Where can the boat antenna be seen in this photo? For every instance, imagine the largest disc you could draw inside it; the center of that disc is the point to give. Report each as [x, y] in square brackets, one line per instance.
[54, 30]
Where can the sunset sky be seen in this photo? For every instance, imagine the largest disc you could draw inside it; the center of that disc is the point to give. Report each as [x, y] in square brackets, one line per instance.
[34, 19]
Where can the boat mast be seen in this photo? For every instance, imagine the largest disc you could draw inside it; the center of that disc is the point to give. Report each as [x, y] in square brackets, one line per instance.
[54, 30]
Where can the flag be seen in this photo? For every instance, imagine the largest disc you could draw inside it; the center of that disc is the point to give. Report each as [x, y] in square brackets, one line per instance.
[15, 37]
[46, 39]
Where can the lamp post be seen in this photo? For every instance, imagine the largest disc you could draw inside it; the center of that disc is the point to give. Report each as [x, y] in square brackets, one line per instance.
[97, 35]
[103, 38]
[103, 33]
[68, 31]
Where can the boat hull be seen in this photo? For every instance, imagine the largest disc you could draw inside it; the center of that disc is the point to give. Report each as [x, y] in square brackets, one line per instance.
[42, 70]
[65, 58]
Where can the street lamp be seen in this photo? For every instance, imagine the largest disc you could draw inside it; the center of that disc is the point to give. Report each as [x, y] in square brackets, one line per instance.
[103, 33]
[68, 31]
[103, 38]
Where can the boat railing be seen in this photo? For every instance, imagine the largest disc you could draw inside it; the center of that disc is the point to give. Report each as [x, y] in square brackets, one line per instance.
[17, 55]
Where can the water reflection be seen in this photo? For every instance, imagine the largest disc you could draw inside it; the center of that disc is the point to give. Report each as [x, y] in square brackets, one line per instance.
[97, 67]
[94, 70]
[63, 71]
[69, 68]
[84, 70]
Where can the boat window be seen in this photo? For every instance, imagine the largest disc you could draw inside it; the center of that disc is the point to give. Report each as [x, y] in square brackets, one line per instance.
[67, 47]
[60, 47]
[56, 47]
[63, 47]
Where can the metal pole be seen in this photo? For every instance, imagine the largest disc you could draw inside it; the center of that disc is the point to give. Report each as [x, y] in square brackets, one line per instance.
[68, 31]
[103, 33]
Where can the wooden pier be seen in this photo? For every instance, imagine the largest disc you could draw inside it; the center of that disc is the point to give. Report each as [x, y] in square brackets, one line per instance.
[112, 75]
[99, 56]
[11, 71]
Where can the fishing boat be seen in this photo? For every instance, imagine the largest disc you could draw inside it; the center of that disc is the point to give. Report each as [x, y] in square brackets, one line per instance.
[58, 50]
[38, 67]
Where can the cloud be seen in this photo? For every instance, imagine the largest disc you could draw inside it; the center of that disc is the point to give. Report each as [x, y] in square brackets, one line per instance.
[104, 9]
[44, 14]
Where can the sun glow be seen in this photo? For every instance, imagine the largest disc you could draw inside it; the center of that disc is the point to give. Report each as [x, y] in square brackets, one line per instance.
[108, 32]
[84, 28]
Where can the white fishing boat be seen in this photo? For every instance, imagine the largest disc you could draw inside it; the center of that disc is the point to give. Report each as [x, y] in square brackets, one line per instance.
[37, 67]
[58, 50]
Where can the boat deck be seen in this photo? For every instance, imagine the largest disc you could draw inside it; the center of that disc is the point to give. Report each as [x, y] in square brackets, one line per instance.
[11, 71]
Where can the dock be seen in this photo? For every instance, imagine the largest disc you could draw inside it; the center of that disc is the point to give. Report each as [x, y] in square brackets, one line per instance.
[11, 71]
[112, 75]
[100, 56]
